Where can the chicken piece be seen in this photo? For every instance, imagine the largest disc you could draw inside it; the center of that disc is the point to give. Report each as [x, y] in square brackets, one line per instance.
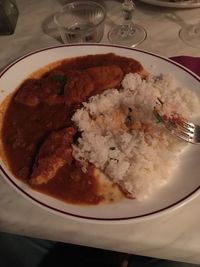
[55, 152]
[89, 61]
[126, 64]
[28, 93]
[49, 90]
[105, 77]
[79, 87]
[52, 87]
[52, 73]
[83, 84]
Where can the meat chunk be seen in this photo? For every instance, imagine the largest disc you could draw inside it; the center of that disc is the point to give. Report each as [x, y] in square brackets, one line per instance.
[55, 152]
[49, 90]
[28, 93]
[83, 84]
[79, 87]
[81, 63]
[105, 77]
[126, 64]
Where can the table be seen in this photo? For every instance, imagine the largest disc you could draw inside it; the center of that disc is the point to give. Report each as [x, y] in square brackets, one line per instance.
[173, 236]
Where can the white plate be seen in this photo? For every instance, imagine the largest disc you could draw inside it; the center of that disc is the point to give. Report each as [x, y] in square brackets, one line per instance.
[183, 187]
[180, 4]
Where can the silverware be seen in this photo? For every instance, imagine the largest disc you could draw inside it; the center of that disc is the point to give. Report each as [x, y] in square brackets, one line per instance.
[183, 129]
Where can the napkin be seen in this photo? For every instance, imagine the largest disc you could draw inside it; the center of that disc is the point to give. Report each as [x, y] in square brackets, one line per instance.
[192, 63]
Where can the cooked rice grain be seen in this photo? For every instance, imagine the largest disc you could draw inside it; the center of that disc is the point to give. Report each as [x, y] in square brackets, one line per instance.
[121, 137]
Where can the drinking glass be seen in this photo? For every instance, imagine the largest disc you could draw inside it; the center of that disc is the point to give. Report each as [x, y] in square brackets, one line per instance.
[190, 34]
[81, 22]
[129, 33]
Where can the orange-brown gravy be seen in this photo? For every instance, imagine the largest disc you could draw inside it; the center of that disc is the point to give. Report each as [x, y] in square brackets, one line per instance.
[25, 128]
[73, 188]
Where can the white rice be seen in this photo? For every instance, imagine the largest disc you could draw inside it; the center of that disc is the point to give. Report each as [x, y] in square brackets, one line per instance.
[140, 154]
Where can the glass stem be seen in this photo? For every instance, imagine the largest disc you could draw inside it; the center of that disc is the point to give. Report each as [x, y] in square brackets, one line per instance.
[127, 27]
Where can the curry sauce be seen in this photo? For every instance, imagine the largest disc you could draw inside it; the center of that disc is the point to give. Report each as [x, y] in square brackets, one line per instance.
[27, 123]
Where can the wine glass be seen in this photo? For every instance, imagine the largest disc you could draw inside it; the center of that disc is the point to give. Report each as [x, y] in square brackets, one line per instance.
[129, 33]
[190, 34]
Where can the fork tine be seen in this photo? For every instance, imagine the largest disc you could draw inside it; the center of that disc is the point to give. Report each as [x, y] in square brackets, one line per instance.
[183, 135]
[181, 131]
[187, 125]
[186, 130]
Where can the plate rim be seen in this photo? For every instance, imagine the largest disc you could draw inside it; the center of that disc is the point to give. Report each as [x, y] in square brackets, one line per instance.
[133, 219]
[181, 202]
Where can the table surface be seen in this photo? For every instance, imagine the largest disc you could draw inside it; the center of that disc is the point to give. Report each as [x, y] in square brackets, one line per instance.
[172, 236]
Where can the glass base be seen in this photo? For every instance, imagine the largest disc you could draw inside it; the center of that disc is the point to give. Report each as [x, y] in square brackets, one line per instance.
[128, 37]
[190, 34]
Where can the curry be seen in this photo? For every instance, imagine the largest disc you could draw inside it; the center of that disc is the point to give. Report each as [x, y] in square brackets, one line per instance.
[37, 130]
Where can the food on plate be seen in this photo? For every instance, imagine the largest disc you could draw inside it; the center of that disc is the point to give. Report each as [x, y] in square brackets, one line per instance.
[54, 153]
[75, 85]
[84, 129]
[91, 81]
[122, 137]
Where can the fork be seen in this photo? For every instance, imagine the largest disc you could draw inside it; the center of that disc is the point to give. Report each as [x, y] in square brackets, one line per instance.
[183, 129]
